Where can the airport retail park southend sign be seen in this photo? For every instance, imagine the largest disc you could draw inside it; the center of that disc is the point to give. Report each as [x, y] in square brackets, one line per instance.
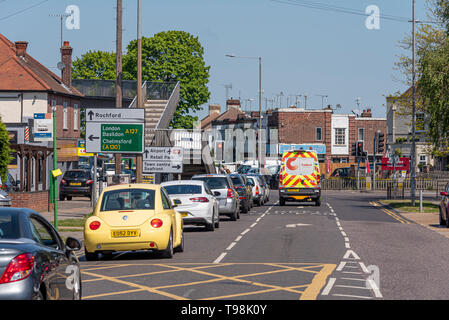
[115, 130]
[163, 160]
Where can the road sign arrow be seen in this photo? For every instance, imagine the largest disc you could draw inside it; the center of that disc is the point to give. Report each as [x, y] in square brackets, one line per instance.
[146, 153]
[92, 138]
[176, 167]
[91, 114]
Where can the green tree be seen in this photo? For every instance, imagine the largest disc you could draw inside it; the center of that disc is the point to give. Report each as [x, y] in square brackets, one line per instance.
[95, 65]
[5, 151]
[173, 56]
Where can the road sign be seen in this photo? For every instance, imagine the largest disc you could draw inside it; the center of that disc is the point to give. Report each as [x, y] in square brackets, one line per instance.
[43, 127]
[163, 160]
[117, 115]
[114, 137]
[403, 164]
[118, 130]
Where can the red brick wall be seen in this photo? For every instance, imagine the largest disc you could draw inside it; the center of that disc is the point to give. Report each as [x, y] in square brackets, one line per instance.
[371, 127]
[37, 201]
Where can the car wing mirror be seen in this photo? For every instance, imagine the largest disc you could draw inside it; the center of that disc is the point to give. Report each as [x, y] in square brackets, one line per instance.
[72, 244]
[176, 202]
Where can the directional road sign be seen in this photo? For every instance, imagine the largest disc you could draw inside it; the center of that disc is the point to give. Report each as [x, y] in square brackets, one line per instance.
[163, 159]
[115, 130]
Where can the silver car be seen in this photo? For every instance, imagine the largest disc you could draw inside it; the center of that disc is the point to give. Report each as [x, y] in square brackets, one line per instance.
[224, 191]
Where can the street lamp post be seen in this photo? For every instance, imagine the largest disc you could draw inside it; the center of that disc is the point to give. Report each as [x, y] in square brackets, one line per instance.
[413, 151]
[260, 105]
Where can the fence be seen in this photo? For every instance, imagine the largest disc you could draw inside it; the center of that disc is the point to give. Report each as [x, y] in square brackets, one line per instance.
[429, 184]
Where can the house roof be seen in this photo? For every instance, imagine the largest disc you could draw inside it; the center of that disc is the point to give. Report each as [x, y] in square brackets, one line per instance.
[27, 74]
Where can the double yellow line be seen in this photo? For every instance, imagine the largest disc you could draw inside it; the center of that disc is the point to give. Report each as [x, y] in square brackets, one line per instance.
[390, 213]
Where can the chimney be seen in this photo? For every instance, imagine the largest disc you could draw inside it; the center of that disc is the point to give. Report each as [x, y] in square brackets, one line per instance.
[66, 58]
[214, 109]
[21, 48]
[233, 103]
[367, 113]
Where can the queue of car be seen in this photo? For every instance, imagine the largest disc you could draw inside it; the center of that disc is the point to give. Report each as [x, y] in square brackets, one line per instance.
[36, 264]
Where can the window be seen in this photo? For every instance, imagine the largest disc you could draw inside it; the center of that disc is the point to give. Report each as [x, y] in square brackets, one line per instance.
[318, 134]
[42, 234]
[53, 104]
[64, 117]
[183, 189]
[422, 159]
[420, 118]
[361, 134]
[9, 225]
[75, 117]
[340, 136]
[129, 199]
[165, 200]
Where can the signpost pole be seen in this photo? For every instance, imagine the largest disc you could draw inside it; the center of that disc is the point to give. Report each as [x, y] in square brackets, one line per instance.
[94, 184]
[55, 166]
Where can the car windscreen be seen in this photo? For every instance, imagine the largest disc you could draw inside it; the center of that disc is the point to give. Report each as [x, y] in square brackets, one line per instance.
[77, 175]
[237, 181]
[183, 189]
[9, 225]
[128, 199]
[214, 182]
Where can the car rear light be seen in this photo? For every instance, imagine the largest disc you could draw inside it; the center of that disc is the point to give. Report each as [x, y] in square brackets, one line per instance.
[94, 225]
[156, 223]
[19, 268]
[242, 198]
[63, 181]
[257, 189]
[199, 199]
[230, 193]
[89, 181]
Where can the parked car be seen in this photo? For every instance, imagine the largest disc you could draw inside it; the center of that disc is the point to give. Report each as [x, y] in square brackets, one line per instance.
[132, 173]
[258, 192]
[10, 184]
[133, 217]
[35, 264]
[76, 183]
[265, 187]
[197, 204]
[225, 192]
[244, 191]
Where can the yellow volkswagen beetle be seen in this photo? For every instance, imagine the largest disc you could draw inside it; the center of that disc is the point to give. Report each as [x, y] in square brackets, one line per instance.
[133, 217]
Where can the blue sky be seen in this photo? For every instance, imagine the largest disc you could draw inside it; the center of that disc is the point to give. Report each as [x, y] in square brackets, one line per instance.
[303, 50]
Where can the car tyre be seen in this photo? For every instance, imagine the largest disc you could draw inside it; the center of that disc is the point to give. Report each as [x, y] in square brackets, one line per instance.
[69, 198]
[318, 202]
[211, 226]
[442, 221]
[281, 202]
[90, 256]
[61, 198]
[180, 248]
[217, 222]
[168, 252]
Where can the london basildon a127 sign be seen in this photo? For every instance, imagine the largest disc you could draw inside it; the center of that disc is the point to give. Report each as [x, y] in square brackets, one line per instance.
[115, 130]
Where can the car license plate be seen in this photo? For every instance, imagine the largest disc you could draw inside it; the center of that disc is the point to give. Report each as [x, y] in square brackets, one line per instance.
[293, 190]
[184, 214]
[124, 233]
[75, 183]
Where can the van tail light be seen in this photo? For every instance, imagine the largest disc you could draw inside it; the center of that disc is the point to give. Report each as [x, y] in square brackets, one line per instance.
[199, 199]
[18, 269]
[89, 181]
[230, 193]
[257, 189]
[94, 225]
[156, 223]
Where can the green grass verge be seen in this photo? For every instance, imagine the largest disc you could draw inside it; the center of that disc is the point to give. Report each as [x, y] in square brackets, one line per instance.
[406, 206]
[73, 222]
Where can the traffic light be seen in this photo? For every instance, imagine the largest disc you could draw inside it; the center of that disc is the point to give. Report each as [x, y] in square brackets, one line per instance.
[359, 149]
[380, 142]
[354, 149]
[219, 150]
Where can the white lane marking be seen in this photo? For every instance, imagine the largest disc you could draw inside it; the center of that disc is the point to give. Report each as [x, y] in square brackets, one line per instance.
[352, 272]
[364, 268]
[350, 253]
[351, 296]
[347, 245]
[230, 246]
[344, 234]
[238, 239]
[253, 224]
[364, 280]
[375, 288]
[341, 266]
[352, 287]
[346, 239]
[246, 231]
[220, 257]
[328, 287]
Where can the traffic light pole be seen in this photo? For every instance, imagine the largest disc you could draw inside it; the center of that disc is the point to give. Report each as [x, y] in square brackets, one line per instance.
[374, 162]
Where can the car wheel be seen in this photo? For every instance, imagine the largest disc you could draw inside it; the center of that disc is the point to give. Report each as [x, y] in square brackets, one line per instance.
[211, 226]
[281, 201]
[246, 208]
[90, 256]
[318, 202]
[61, 198]
[442, 221]
[217, 222]
[180, 248]
[69, 198]
[168, 252]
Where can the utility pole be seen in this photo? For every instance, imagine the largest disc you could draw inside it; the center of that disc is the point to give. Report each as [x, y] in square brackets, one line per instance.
[139, 160]
[118, 82]
[413, 151]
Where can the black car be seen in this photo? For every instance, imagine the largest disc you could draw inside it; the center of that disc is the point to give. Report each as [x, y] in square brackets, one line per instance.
[76, 183]
[35, 264]
[244, 191]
